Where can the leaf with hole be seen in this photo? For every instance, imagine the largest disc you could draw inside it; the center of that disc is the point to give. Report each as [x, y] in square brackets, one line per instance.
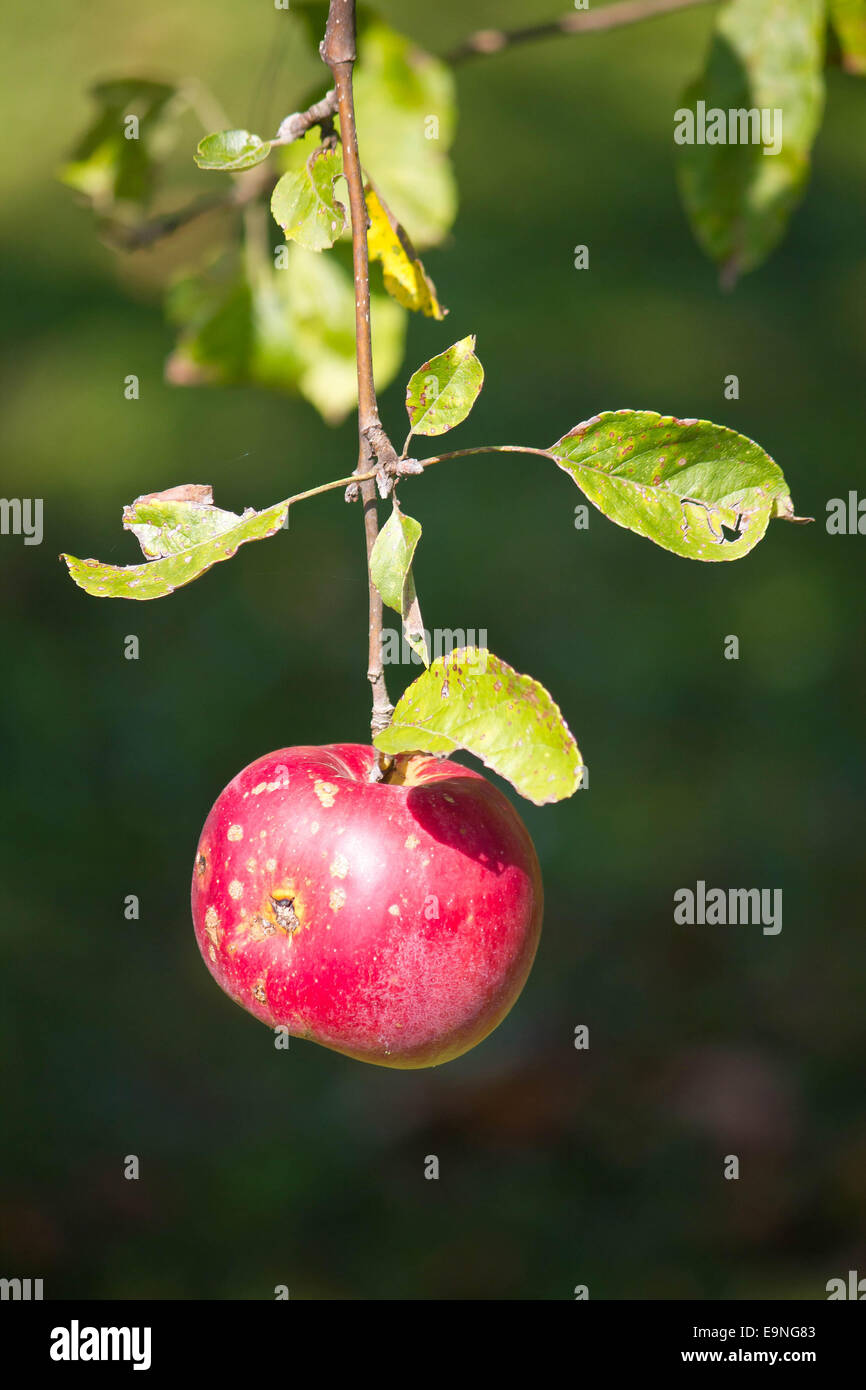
[680, 483]
[472, 700]
[183, 534]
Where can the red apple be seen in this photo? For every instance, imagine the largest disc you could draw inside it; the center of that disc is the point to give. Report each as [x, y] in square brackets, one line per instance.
[393, 921]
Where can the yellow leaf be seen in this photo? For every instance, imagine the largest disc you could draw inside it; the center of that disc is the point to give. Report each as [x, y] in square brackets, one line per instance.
[405, 277]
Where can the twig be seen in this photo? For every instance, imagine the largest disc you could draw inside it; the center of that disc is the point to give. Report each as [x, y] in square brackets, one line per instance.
[321, 113]
[328, 487]
[488, 41]
[338, 51]
[481, 449]
[141, 234]
[404, 467]
[246, 189]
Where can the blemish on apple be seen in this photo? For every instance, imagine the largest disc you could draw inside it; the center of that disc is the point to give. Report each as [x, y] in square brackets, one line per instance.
[326, 792]
[284, 910]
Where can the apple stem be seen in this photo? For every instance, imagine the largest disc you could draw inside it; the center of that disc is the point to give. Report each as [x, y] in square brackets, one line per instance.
[338, 51]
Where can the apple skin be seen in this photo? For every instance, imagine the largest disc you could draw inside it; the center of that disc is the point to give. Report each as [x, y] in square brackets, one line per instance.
[395, 922]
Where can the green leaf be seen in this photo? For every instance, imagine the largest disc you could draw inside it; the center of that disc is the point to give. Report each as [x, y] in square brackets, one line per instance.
[680, 483]
[405, 112]
[303, 203]
[107, 165]
[472, 700]
[319, 292]
[230, 151]
[290, 329]
[404, 276]
[215, 314]
[766, 56]
[391, 572]
[848, 18]
[442, 392]
[184, 533]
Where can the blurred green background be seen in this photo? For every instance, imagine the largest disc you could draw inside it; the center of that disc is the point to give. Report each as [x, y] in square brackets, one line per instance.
[558, 1167]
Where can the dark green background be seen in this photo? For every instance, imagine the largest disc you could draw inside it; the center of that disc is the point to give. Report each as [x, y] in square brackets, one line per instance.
[558, 1167]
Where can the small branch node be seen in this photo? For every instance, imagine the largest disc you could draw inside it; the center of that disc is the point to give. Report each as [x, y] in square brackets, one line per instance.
[384, 482]
[321, 113]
